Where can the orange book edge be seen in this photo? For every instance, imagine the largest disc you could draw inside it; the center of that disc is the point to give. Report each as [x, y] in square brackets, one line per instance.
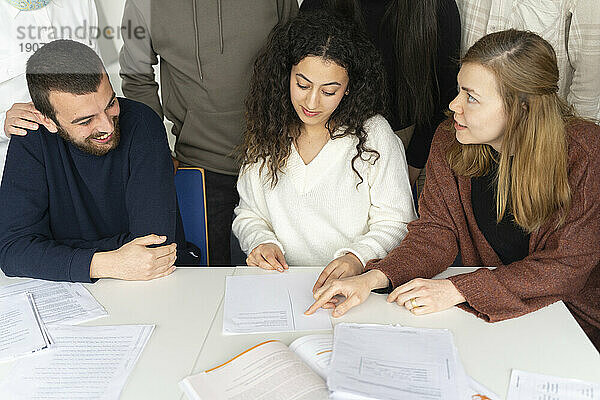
[239, 355]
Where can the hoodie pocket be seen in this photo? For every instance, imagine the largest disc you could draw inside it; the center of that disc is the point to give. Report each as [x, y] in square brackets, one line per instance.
[209, 139]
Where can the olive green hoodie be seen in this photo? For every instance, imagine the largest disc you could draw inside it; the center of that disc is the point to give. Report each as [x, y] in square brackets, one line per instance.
[206, 49]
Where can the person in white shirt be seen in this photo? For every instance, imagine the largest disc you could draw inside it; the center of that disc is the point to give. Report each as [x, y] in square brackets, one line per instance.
[25, 26]
[324, 179]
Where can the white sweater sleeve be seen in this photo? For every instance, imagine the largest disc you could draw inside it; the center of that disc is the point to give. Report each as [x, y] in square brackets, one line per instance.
[392, 206]
[252, 223]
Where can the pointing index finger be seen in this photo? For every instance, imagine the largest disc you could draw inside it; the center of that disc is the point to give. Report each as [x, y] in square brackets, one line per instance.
[325, 297]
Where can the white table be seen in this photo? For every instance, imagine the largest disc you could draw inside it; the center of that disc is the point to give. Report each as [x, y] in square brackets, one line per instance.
[181, 306]
[187, 309]
[548, 341]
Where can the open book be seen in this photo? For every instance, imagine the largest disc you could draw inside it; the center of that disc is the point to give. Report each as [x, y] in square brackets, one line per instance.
[271, 370]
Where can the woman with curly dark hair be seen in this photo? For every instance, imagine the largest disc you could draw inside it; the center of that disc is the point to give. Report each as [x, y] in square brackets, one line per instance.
[324, 179]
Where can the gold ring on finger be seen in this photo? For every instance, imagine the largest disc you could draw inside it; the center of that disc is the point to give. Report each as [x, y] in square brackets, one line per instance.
[413, 303]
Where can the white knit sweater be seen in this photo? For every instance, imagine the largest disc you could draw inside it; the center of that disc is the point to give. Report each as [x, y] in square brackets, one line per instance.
[316, 213]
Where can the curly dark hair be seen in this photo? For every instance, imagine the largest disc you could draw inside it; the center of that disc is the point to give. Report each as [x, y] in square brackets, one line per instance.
[271, 121]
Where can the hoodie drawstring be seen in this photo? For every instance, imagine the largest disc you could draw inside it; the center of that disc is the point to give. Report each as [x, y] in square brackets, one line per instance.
[221, 41]
[198, 63]
[220, 26]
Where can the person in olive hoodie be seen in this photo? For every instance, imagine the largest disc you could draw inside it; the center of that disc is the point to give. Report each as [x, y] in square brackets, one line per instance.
[206, 49]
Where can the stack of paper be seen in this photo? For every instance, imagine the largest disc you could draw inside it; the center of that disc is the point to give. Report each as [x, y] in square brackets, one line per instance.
[58, 302]
[393, 362]
[86, 362]
[22, 331]
[271, 303]
[82, 363]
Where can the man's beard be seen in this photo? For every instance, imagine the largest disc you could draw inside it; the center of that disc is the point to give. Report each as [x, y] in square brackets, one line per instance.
[88, 146]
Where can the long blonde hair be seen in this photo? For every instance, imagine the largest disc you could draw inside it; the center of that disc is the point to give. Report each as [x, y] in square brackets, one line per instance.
[532, 179]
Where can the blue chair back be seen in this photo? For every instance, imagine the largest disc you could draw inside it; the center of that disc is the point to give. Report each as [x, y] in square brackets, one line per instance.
[191, 196]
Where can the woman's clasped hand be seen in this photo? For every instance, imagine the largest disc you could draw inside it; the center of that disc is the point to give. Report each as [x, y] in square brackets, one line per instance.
[424, 296]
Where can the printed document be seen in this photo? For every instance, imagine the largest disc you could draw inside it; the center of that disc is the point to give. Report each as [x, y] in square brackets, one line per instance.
[86, 362]
[392, 362]
[58, 302]
[526, 385]
[316, 352]
[22, 332]
[272, 303]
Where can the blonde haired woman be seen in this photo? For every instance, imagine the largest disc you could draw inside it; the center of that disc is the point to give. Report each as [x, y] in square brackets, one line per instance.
[513, 182]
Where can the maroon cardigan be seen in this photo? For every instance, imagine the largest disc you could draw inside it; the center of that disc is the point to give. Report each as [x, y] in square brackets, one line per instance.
[563, 264]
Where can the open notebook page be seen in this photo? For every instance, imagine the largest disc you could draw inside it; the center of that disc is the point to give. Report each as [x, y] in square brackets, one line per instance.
[267, 371]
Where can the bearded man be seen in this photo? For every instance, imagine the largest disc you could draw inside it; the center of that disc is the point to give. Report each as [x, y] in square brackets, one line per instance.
[25, 25]
[97, 198]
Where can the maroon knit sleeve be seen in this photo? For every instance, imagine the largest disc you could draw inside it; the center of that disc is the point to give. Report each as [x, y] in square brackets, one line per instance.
[431, 243]
[561, 260]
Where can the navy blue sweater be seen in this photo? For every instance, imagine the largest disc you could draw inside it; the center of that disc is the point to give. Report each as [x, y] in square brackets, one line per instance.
[59, 205]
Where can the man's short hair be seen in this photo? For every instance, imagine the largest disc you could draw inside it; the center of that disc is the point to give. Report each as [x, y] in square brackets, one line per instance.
[65, 66]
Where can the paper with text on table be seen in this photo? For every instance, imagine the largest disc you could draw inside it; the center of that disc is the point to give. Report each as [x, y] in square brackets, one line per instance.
[21, 330]
[392, 362]
[86, 362]
[528, 385]
[59, 302]
[272, 303]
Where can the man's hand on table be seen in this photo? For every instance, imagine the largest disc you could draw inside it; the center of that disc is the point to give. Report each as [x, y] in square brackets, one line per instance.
[134, 261]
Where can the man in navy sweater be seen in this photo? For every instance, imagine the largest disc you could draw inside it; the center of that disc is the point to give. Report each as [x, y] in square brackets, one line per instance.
[97, 199]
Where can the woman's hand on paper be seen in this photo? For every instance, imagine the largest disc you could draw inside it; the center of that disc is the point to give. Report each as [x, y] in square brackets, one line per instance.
[267, 256]
[355, 289]
[425, 296]
[342, 267]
